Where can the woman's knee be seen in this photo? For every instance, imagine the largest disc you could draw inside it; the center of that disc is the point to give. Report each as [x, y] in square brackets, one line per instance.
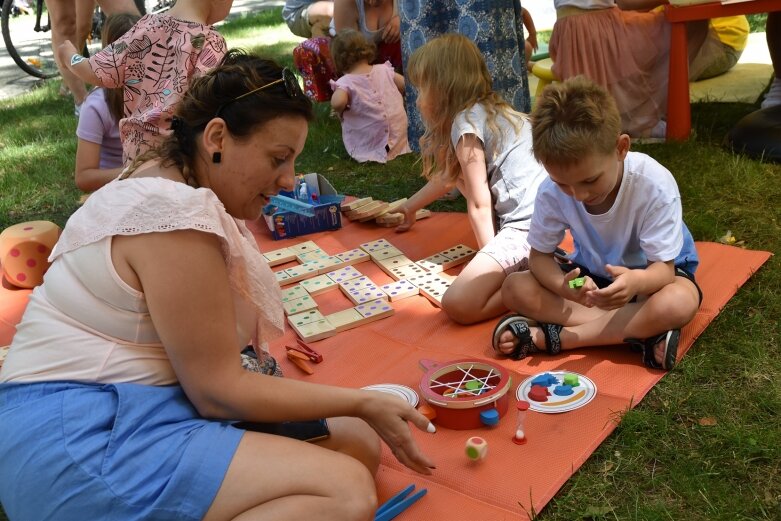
[355, 438]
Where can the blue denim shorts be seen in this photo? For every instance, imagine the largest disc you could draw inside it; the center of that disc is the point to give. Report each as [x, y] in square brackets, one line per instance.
[74, 451]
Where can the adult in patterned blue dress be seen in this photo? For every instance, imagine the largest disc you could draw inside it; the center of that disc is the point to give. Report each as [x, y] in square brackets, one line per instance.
[495, 26]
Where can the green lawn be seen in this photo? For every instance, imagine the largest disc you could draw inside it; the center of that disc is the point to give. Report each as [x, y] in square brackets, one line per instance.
[704, 444]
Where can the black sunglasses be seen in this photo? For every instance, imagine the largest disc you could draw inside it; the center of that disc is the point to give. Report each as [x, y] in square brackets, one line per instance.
[288, 79]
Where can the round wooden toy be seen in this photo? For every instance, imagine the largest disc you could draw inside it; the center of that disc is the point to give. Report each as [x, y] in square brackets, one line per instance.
[460, 390]
[476, 448]
[24, 252]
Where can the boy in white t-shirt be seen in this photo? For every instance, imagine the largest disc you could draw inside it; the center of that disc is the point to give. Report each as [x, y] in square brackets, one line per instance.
[632, 249]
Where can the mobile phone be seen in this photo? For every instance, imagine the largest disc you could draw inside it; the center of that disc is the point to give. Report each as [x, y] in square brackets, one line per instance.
[313, 430]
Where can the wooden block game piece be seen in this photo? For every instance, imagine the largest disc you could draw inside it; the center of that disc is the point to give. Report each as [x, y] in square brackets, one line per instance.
[399, 290]
[394, 206]
[282, 277]
[343, 274]
[432, 287]
[318, 285]
[435, 263]
[369, 215]
[314, 331]
[293, 293]
[356, 283]
[366, 294]
[375, 310]
[328, 264]
[371, 246]
[385, 253]
[344, 320]
[293, 307]
[279, 256]
[311, 255]
[458, 254]
[354, 256]
[304, 247]
[352, 205]
[392, 262]
[307, 317]
[389, 220]
[407, 271]
[363, 210]
[300, 272]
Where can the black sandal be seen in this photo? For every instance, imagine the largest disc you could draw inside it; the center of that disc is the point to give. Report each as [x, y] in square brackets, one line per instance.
[646, 347]
[519, 325]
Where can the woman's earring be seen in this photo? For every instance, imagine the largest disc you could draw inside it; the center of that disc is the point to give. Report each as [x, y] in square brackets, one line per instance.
[216, 157]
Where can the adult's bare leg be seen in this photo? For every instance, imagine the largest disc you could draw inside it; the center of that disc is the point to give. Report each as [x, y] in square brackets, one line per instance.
[63, 22]
[275, 478]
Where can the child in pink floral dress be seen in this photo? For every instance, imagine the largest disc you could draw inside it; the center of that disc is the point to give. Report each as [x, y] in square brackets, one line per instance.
[368, 100]
[153, 64]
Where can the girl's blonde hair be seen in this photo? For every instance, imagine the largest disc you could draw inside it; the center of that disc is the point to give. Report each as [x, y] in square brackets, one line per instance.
[350, 47]
[573, 119]
[452, 73]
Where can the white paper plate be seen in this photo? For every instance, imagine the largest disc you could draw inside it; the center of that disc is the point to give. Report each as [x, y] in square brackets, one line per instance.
[402, 391]
[583, 393]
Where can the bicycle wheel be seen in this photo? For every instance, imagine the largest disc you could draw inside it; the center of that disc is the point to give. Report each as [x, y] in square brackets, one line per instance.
[31, 49]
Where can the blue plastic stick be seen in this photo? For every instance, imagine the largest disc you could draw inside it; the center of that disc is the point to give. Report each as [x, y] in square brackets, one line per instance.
[292, 205]
[397, 504]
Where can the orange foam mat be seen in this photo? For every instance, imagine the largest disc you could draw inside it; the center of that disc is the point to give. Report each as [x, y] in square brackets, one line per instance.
[513, 480]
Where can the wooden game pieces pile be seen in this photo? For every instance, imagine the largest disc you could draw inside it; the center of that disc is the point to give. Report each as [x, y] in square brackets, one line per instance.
[383, 214]
[318, 272]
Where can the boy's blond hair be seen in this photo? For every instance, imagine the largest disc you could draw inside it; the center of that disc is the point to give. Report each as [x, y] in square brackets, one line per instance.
[350, 47]
[451, 69]
[573, 119]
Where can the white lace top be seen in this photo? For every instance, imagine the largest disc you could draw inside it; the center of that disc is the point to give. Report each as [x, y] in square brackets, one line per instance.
[85, 323]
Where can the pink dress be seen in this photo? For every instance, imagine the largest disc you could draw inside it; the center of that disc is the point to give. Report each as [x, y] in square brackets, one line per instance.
[627, 52]
[374, 125]
[153, 62]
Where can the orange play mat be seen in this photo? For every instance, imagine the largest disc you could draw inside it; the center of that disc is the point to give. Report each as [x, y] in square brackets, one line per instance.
[513, 479]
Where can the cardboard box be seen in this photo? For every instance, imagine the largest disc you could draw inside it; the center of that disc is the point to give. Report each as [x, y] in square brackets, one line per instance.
[324, 206]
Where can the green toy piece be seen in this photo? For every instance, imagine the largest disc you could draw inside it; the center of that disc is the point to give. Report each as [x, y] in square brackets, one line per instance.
[577, 283]
[571, 380]
[472, 385]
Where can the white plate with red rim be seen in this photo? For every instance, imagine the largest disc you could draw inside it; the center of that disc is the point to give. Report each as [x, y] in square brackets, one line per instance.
[582, 394]
[402, 391]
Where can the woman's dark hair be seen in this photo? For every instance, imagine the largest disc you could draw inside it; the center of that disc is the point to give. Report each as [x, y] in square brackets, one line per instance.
[223, 89]
[115, 26]
[350, 47]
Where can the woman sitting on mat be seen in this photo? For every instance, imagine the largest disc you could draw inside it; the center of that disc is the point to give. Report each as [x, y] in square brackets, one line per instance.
[476, 142]
[121, 390]
[634, 257]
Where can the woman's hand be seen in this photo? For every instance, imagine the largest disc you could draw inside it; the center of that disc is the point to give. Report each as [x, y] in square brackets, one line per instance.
[392, 30]
[388, 416]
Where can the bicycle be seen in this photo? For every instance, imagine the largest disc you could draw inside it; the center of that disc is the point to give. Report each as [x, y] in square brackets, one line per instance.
[27, 33]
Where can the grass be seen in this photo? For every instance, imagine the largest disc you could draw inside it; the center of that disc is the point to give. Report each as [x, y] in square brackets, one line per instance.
[703, 445]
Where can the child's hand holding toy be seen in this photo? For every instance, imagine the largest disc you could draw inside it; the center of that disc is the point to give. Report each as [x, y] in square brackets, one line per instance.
[617, 294]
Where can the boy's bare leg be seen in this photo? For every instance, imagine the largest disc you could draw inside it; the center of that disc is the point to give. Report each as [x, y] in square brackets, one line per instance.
[475, 295]
[671, 307]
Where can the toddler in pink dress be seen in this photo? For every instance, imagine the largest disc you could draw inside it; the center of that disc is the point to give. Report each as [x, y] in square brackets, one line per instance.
[368, 100]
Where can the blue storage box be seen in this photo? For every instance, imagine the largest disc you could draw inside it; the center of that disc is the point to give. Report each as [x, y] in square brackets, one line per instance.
[292, 214]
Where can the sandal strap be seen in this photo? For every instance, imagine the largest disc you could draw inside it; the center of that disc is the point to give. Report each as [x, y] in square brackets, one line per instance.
[646, 346]
[520, 329]
[552, 338]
